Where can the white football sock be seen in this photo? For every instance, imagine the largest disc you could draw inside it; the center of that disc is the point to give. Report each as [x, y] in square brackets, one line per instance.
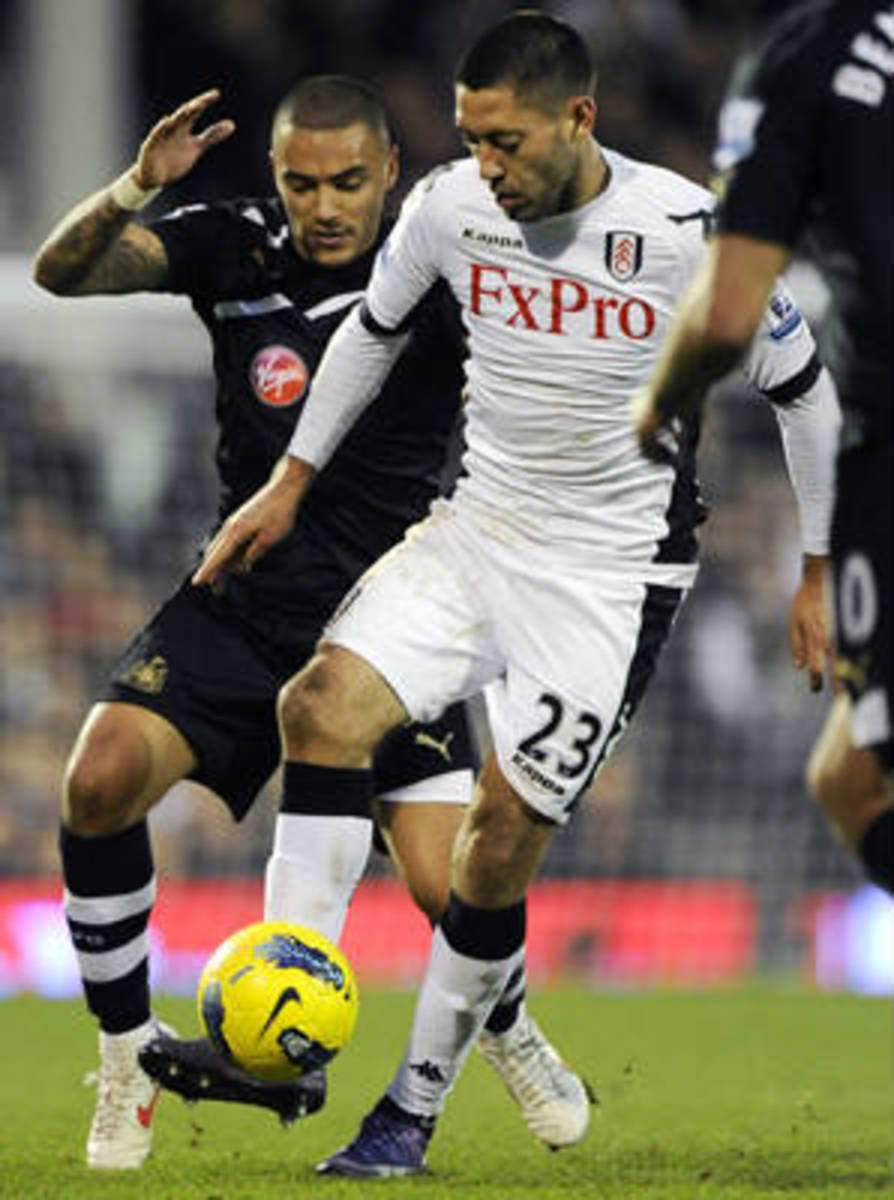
[456, 997]
[315, 866]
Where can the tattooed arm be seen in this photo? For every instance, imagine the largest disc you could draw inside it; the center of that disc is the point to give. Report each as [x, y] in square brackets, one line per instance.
[98, 247]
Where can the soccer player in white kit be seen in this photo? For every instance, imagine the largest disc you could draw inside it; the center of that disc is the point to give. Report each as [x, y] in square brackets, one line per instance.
[551, 577]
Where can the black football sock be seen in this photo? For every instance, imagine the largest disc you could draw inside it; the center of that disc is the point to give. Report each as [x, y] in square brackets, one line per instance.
[505, 1012]
[109, 893]
[877, 850]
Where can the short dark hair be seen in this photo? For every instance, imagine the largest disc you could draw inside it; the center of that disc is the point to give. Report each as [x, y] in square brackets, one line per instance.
[332, 102]
[541, 58]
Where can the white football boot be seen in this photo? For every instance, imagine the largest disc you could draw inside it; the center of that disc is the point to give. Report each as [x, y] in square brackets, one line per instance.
[121, 1133]
[555, 1102]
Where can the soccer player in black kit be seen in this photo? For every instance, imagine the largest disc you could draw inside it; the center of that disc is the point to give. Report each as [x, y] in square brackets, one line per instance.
[804, 152]
[195, 694]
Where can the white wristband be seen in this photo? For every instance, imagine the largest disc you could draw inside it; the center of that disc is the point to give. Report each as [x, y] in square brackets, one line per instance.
[128, 194]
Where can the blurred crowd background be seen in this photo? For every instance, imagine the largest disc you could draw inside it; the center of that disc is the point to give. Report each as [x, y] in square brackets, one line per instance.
[107, 432]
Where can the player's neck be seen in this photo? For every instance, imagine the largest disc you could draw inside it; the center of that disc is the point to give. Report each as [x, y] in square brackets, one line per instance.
[592, 177]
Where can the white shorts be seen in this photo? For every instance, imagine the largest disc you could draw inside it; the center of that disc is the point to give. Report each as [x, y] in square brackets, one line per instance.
[563, 656]
[453, 787]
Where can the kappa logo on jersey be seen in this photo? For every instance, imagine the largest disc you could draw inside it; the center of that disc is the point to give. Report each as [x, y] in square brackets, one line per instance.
[278, 376]
[503, 240]
[561, 306]
[623, 254]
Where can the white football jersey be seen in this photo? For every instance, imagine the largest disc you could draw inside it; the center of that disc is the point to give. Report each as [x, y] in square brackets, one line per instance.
[565, 318]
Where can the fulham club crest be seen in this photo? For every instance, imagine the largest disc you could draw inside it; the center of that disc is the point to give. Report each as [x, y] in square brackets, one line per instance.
[623, 254]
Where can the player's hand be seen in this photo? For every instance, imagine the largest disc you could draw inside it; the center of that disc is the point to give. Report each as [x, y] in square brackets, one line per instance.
[654, 434]
[810, 622]
[172, 148]
[262, 521]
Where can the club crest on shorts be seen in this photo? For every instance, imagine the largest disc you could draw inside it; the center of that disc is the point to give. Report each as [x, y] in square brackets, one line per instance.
[278, 376]
[149, 675]
[623, 254]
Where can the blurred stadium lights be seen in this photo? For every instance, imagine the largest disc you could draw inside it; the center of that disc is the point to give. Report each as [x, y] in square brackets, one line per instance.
[610, 934]
[854, 942]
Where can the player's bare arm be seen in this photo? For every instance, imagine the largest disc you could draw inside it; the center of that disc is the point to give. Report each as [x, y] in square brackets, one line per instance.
[810, 621]
[262, 521]
[715, 322]
[98, 247]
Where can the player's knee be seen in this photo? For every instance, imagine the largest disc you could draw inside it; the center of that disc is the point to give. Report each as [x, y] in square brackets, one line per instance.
[849, 788]
[832, 782]
[304, 707]
[328, 712]
[101, 783]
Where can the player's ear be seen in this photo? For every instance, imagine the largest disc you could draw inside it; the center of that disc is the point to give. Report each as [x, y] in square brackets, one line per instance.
[392, 166]
[583, 116]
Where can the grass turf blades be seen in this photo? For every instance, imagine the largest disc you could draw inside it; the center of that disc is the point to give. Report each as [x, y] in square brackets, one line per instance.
[756, 1093]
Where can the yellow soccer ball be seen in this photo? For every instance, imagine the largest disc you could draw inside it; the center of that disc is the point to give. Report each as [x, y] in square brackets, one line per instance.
[278, 999]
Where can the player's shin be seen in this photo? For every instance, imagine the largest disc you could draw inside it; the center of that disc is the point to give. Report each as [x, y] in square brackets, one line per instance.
[505, 1012]
[474, 953]
[321, 844]
[109, 893]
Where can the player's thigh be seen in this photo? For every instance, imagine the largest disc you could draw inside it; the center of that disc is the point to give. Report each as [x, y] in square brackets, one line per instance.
[196, 666]
[419, 617]
[429, 761]
[564, 703]
[124, 760]
[424, 778]
[420, 836]
[501, 843]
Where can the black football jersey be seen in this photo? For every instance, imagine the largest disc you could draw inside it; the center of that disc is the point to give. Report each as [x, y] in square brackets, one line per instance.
[806, 139]
[270, 314]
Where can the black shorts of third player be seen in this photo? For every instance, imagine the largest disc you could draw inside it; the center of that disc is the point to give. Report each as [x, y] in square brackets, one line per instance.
[215, 678]
[862, 547]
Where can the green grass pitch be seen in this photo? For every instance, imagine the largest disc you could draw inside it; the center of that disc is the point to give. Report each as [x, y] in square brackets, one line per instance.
[754, 1093]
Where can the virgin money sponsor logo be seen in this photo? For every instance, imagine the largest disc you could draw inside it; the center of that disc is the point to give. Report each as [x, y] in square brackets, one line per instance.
[560, 306]
[278, 376]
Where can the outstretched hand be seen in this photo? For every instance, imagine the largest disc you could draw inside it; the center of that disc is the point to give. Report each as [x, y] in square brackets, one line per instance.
[257, 525]
[809, 623]
[171, 149]
[655, 435]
